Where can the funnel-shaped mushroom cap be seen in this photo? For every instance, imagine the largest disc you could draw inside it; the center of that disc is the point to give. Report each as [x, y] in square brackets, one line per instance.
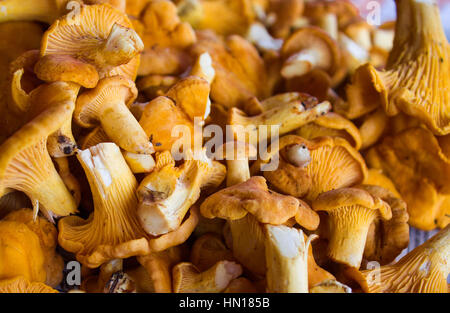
[224, 17]
[188, 279]
[21, 251]
[167, 193]
[158, 120]
[287, 258]
[423, 270]
[415, 81]
[419, 169]
[387, 239]
[309, 48]
[25, 164]
[350, 213]
[332, 163]
[22, 285]
[99, 35]
[209, 249]
[107, 105]
[240, 72]
[251, 196]
[47, 234]
[113, 230]
[166, 40]
[31, 10]
[333, 125]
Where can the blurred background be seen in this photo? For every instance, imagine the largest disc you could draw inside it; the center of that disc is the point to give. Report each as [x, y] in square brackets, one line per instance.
[387, 10]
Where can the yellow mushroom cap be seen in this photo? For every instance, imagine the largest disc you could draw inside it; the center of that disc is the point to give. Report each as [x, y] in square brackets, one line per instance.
[21, 285]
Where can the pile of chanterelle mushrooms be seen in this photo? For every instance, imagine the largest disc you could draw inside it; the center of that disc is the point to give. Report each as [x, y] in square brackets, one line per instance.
[92, 92]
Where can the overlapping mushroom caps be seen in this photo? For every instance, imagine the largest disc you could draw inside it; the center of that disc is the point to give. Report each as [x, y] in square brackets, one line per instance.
[240, 72]
[415, 79]
[423, 270]
[25, 163]
[166, 40]
[414, 161]
[309, 167]
[351, 211]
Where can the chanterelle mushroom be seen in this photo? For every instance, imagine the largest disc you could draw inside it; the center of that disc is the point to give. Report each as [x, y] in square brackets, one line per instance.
[415, 162]
[113, 230]
[416, 75]
[350, 213]
[20, 284]
[423, 270]
[167, 193]
[107, 105]
[25, 164]
[31, 10]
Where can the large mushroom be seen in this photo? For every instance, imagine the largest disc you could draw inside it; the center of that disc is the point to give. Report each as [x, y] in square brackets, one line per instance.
[415, 79]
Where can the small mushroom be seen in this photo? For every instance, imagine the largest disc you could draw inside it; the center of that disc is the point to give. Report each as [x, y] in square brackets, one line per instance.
[167, 194]
[350, 213]
[107, 105]
[188, 279]
[423, 270]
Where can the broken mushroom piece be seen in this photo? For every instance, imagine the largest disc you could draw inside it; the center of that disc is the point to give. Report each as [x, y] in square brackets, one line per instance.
[423, 270]
[20, 284]
[166, 40]
[113, 230]
[350, 213]
[167, 193]
[107, 105]
[331, 163]
[386, 239]
[25, 164]
[98, 35]
[188, 279]
[417, 71]
[306, 49]
[416, 164]
[287, 259]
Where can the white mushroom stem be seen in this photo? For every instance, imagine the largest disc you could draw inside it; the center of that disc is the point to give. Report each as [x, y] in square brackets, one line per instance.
[298, 155]
[259, 35]
[358, 53]
[383, 39]
[237, 172]
[122, 45]
[329, 23]
[300, 63]
[287, 259]
[115, 118]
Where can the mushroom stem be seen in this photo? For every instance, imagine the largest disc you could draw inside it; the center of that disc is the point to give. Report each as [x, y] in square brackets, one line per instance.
[329, 23]
[115, 118]
[300, 63]
[287, 259]
[31, 10]
[288, 117]
[237, 171]
[349, 227]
